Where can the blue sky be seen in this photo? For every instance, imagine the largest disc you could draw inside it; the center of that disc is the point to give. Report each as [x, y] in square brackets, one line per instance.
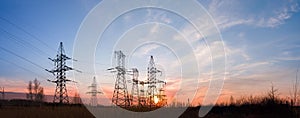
[261, 41]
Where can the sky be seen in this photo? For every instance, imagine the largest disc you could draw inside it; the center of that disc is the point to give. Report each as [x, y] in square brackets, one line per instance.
[261, 40]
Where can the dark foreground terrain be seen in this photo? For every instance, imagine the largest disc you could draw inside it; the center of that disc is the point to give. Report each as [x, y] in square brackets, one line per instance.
[245, 112]
[30, 109]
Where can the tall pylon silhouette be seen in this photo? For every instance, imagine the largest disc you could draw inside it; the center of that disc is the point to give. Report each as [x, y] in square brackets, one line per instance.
[152, 80]
[120, 95]
[94, 91]
[135, 95]
[59, 71]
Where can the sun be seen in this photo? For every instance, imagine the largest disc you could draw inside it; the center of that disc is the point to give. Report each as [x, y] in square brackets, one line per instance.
[156, 100]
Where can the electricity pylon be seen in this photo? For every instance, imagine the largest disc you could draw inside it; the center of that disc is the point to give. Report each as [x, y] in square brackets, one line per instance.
[142, 96]
[152, 80]
[135, 96]
[2, 92]
[162, 98]
[94, 92]
[60, 69]
[120, 95]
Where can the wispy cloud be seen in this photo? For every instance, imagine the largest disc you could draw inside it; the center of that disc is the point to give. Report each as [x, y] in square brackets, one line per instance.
[19, 85]
[157, 15]
[227, 17]
[146, 49]
[16, 85]
[289, 58]
[279, 16]
[288, 54]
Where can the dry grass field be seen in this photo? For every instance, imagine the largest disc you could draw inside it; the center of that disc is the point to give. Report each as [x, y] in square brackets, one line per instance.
[45, 112]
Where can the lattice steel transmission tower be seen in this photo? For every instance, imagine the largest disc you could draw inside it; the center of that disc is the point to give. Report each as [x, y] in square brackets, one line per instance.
[60, 69]
[94, 92]
[2, 92]
[162, 97]
[120, 95]
[152, 80]
[135, 96]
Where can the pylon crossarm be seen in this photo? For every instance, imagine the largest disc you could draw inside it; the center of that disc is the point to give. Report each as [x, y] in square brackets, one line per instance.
[59, 71]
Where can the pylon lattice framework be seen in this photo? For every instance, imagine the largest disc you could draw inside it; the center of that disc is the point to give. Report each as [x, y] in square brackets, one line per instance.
[120, 95]
[60, 69]
[94, 92]
[152, 80]
[142, 97]
[134, 97]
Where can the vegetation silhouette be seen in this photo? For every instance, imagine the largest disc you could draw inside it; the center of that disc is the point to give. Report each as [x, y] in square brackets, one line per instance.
[269, 105]
[35, 91]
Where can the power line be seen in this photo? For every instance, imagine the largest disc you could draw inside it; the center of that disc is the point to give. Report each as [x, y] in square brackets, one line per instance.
[28, 33]
[21, 57]
[96, 63]
[4, 60]
[23, 42]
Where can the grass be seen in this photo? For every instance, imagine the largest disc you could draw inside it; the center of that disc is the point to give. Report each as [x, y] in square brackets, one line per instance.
[269, 106]
[250, 107]
[45, 112]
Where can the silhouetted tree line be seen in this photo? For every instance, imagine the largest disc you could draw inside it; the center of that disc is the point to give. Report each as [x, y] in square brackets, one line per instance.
[268, 106]
[77, 99]
[35, 91]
